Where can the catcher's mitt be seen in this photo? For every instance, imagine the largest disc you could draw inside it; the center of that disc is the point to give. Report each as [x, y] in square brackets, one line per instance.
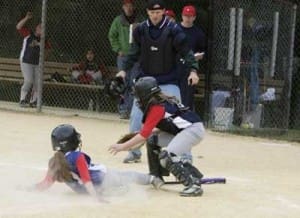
[126, 137]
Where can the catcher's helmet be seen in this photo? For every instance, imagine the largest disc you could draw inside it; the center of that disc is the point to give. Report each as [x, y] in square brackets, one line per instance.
[145, 88]
[115, 87]
[65, 138]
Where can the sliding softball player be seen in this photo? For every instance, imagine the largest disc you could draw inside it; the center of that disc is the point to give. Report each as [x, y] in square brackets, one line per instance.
[74, 168]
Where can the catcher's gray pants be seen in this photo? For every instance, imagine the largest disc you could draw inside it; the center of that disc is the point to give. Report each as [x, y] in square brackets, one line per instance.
[30, 73]
[182, 143]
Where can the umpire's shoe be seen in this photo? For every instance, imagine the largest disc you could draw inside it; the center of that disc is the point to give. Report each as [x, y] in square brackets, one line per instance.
[132, 158]
[192, 191]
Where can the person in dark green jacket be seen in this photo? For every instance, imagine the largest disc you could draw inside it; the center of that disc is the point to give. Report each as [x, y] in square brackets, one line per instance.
[120, 39]
[119, 31]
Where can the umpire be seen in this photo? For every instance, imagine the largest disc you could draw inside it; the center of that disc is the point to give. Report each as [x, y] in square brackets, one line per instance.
[159, 45]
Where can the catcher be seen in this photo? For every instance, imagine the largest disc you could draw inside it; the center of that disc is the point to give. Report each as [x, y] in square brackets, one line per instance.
[166, 123]
[75, 168]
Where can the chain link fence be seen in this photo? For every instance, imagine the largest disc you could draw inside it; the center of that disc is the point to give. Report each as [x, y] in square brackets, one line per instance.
[295, 95]
[72, 29]
[252, 63]
[250, 78]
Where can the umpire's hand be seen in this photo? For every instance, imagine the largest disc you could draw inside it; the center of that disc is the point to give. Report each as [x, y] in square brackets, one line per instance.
[193, 78]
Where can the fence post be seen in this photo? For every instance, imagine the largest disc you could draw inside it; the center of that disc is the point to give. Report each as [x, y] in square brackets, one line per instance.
[209, 64]
[274, 43]
[232, 18]
[290, 66]
[42, 56]
[238, 48]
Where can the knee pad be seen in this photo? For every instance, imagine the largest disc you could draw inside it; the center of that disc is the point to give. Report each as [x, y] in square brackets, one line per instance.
[187, 158]
[176, 167]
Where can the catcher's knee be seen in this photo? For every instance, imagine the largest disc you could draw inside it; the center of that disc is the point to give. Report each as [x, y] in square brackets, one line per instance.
[186, 173]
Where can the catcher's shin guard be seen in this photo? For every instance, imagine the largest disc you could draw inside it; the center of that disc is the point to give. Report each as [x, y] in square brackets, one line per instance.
[177, 168]
[153, 151]
[196, 174]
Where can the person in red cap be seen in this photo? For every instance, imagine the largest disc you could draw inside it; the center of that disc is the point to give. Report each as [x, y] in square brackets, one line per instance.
[197, 43]
[170, 14]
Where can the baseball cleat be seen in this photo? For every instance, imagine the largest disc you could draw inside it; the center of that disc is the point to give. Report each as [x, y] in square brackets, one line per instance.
[132, 158]
[192, 191]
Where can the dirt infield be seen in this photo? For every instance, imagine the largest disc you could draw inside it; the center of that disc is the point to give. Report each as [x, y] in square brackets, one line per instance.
[263, 178]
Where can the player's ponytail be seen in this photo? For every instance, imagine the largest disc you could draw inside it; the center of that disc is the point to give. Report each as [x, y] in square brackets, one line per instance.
[59, 168]
[159, 98]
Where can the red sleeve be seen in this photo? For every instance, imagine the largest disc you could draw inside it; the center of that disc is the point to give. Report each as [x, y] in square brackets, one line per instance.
[45, 183]
[155, 114]
[82, 168]
[24, 31]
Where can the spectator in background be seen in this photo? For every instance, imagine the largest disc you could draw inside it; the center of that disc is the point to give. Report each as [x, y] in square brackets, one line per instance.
[87, 71]
[158, 42]
[170, 14]
[254, 53]
[120, 37]
[196, 42]
[29, 59]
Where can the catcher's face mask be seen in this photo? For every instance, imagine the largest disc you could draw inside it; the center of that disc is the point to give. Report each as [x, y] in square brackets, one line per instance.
[115, 88]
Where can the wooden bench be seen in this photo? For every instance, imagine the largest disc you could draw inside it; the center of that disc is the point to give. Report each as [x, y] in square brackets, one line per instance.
[68, 93]
[272, 111]
[10, 69]
[64, 94]
[223, 81]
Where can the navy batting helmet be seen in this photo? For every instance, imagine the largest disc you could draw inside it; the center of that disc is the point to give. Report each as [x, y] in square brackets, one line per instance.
[65, 138]
[145, 88]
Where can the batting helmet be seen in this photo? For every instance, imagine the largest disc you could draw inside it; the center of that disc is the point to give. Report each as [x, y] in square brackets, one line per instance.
[145, 88]
[65, 138]
[115, 87]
